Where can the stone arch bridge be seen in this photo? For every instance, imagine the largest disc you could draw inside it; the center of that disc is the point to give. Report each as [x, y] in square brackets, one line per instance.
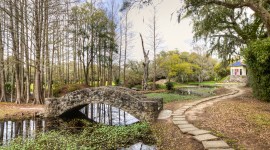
[131, 101]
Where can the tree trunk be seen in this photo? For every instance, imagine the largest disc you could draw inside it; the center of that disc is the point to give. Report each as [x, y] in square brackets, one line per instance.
[22, 46]
[15, 48]
[154, 46]
[2, 74]
[125, 57]
[92, 57]
[145, 65]
[120, 51]
[37, 84]
[27, 72]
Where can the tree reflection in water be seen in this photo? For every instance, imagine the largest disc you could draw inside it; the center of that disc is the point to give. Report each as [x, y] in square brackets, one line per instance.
[24, 128]
[106, 114]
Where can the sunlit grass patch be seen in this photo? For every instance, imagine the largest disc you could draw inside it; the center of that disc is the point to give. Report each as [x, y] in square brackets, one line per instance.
[260, 119]
[205, 83]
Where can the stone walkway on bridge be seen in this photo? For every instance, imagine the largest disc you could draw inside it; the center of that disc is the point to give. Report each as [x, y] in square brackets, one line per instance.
[182, 117]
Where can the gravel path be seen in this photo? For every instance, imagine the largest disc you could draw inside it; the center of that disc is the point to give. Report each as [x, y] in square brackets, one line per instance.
[183, 117]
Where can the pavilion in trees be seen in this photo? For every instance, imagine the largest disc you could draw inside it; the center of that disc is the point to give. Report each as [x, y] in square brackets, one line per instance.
[238, 72]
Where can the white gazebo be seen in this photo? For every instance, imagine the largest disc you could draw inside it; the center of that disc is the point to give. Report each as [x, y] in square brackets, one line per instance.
[238, 72]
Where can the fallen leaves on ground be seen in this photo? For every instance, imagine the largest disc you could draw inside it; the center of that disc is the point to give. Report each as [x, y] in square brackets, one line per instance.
[169, 137]
[243, 121]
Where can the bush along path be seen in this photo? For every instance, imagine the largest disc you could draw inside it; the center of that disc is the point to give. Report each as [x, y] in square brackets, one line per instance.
[183, 117]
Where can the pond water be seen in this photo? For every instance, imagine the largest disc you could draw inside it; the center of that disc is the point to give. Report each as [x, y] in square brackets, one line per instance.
[196, 90]
[25, 128]
[98, 113]
[106, 114]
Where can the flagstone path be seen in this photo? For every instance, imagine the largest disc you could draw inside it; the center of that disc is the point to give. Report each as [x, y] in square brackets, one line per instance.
[183, 117]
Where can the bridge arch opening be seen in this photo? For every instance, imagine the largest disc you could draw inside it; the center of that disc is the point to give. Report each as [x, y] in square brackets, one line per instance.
[102, 113]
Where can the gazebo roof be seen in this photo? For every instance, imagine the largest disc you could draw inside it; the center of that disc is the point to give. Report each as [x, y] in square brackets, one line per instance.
[237, 64]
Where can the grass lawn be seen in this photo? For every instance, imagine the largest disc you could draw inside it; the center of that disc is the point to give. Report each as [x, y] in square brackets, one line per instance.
[170, 97]
[207, 83]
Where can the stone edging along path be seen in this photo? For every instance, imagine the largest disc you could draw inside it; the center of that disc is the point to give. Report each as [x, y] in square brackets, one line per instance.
[189, 111]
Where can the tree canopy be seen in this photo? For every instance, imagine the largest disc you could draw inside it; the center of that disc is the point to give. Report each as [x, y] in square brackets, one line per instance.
[186, 66]
[228, 26]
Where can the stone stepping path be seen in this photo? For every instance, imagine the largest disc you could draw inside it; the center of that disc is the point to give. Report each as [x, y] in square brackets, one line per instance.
[205, 137]
[165, 114]
[189, 111]
[215, 144]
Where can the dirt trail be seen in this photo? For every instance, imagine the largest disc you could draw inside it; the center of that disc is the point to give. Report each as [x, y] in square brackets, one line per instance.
[18, 111]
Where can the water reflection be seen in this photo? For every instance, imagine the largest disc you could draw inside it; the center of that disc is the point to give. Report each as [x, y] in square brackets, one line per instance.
[196, 90]
[25, 128]
[140, 146]
[106, 114]
[100, 113]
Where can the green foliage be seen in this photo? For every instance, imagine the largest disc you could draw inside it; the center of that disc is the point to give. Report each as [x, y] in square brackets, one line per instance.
[170, 63]
[221, 71]
[169, 85]
[151, 86]
[139, 86]
[257, 57]
[117, 81]
[225, 27]
[91, 137]
[8, 87]
[160, 86]
[134, 73]
[224, 79]
[171, 97]
[185, 66]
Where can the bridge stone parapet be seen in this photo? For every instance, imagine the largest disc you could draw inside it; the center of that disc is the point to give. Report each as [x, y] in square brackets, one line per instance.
[131, 101]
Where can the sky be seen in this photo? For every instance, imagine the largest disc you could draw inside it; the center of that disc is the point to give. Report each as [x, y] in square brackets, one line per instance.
[174, 35]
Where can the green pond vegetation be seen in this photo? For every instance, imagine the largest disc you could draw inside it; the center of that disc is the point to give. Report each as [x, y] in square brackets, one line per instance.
[91, 136]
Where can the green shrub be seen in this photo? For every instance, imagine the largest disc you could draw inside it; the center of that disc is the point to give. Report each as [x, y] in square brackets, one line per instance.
[139, 87]
[169, 85]
[161, 86]
[151, 86]
[117, 81]
[8, 87]
[257, 57]
[221, 70]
